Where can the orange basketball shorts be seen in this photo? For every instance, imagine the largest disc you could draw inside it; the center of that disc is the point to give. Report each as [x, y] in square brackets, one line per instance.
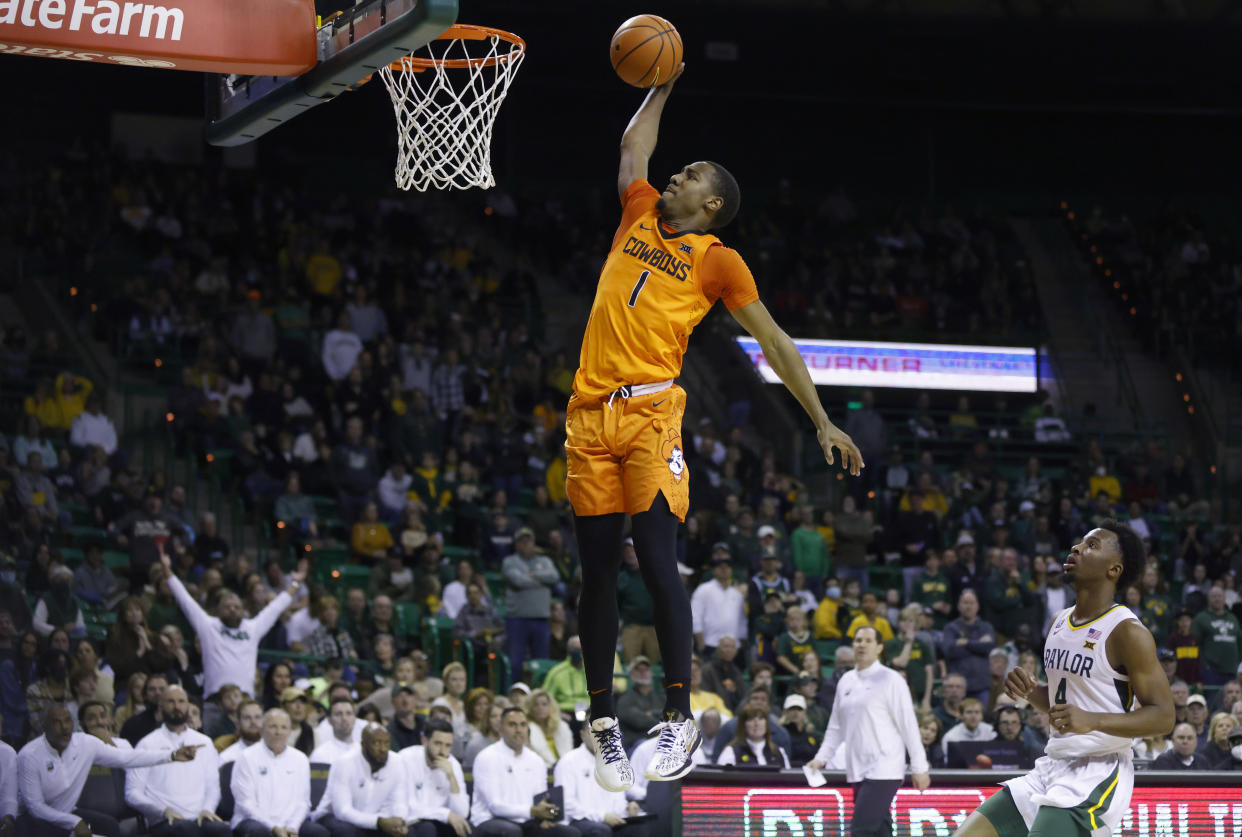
[620, 455]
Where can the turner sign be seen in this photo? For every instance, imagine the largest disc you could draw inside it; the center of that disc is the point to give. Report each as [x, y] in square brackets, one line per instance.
[909, 365]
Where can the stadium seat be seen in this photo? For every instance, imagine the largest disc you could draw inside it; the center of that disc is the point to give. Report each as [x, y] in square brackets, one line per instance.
[408, 614]
[319, 782]
[537, 669]
[225, 809]
[116, 560]
[104, 792]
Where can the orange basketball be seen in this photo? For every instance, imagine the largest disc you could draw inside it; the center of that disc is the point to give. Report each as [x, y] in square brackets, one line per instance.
[645, 51]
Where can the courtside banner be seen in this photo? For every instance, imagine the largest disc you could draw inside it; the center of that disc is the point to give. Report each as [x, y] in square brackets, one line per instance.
[1155, 811]
[841, 363]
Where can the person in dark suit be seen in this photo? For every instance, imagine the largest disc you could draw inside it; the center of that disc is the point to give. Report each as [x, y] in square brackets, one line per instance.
[1182, 756]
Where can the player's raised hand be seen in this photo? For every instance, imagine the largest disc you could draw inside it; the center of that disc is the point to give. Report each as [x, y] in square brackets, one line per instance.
[681, 68]
[1019, 683]
[831, 436]
[300, 575]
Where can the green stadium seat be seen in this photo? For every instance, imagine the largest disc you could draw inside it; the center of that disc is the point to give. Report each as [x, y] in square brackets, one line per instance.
[408, 614]
[80, 534]
[537, 669]
[350, 575]
[116, 560]
[71, 555]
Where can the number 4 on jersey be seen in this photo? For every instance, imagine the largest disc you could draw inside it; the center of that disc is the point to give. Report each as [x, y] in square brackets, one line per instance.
[638, 287]
[1060, 698]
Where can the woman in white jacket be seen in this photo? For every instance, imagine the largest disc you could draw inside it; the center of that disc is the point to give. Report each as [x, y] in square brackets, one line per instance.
[873, 715]
[550, 736]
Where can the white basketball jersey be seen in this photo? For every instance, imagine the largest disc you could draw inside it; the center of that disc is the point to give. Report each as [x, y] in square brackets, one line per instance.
[1076, 665]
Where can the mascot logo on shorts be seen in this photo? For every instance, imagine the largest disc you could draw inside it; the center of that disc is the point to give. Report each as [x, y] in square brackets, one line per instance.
[671, 451]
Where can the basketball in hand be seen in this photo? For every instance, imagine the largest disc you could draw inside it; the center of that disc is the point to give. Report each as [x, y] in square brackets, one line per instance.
[645, 51]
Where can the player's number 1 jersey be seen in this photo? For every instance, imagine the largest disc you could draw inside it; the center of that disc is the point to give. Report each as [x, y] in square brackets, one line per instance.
[1079, 674]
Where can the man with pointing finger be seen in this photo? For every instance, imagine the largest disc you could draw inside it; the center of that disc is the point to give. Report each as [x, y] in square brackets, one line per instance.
[52, 770]
[178, 800]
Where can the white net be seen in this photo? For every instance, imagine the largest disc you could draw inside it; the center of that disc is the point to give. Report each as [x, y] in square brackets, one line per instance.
[446, 97]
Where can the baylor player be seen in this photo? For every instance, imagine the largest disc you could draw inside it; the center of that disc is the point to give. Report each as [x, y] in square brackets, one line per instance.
[1105, 688]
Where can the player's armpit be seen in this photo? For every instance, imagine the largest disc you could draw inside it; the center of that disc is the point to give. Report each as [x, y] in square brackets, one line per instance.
[1132, 650]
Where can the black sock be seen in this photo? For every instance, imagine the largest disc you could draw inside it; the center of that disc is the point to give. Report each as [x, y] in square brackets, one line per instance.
[655, 543]
[599, 549]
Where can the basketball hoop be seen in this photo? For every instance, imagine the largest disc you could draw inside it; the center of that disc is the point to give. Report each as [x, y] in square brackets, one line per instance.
[446, 97]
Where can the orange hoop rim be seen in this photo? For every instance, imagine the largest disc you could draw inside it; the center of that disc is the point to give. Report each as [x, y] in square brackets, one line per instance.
[462, 32]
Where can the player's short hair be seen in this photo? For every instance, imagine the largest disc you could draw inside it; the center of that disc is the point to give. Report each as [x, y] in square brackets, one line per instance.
[725, 185]
[1133, 554]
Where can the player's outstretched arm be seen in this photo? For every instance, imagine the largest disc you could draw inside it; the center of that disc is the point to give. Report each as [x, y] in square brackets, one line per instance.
[785, 361]
[639, 140]
[1135, 652]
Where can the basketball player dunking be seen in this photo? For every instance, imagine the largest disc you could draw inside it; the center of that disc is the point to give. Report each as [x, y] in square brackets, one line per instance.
[623, 424]
[1099, 659]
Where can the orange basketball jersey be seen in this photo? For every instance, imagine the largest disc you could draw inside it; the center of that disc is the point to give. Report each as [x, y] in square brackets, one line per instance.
[656, 286]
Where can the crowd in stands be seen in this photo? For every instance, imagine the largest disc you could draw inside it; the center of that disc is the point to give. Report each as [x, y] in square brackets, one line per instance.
[419, 439]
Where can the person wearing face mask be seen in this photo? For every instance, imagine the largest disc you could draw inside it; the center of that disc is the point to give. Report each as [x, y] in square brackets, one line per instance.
[873, 714]
[566, 681]
[58, 608]
[1235, 749]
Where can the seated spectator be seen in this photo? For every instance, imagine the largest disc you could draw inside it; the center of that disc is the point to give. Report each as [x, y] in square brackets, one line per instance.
[297, 706]
[478, 622]
[721, 673]
[129, 639]
[93, 429]
[49, 796]
[249, 730]
[804, 740]
[142, 724]
[872, 616]
[295, 510]
[507, 777]
[94, 582]
[930, 729]
[58, 608]
[95, 718]
[371, 540]
[84, 655]
[589, 808]
[1183, 755]
[550, 736]
[51, 687]
[1215, 752]
[752, 744]
[406, 728]
[700, 698]
[438, 803]
[366, 790]
[1185, 645]
[912, 657]
[760, 697]
[1009, 727]
[36, 492]
[566, 681]
[1197, 716]
[826, 623]
[342, 741]
[271, 786]
[453, 698]
[329, 640]
[794, 642]
[178, 799]
[487, 733]
[642, 706]
[972, 726]
[131, 698]
[355, 470]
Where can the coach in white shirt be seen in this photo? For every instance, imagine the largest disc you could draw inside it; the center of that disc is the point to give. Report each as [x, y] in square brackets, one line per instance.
[230, 641]
[366, 790]
[873, 715]
[324, 730]
[589, 808]
[507, 776]
[8, 789]
[717, 608]
[340, 741]
[271, 786]
[438, 805]
[52, 770]
[249, 730]
[177, 800]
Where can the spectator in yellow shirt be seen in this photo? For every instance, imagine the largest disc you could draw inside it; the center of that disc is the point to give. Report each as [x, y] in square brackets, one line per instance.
[700, 698]
[825, 624]
[1101, 480]
[870, 618]
[70, 394]
[371, 538]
